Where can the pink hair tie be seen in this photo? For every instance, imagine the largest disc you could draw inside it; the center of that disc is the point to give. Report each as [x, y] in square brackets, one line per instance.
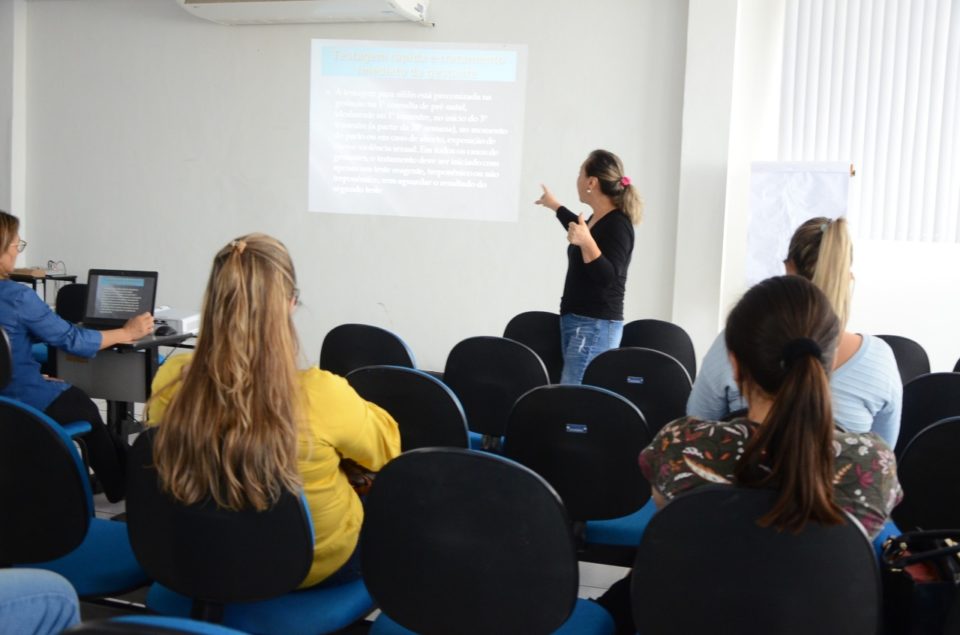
[624, 181]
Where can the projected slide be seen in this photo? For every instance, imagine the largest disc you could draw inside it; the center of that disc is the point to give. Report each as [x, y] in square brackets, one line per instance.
[412, 129]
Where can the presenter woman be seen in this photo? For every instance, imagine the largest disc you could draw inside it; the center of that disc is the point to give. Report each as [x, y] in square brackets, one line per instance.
[239, 423]
[865, 383]
[27, 320]
[591, 309]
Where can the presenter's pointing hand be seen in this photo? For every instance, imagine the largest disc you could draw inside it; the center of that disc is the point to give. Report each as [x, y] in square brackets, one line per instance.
[139, 326]
[578, 233]
[547, 199]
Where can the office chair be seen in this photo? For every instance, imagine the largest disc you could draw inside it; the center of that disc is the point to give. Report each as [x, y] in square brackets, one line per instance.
[488, 374]
[466, 542]
[956, 367]
[149, 625]
[662, 336]
[585, 442]
[238, 568]
[930, 477]
[749, 579]
[351, 346]
[427, 412]
[655, 382]
[71, 302]
[540, 330]
[926, 400]
[912, 360]
[48, 509]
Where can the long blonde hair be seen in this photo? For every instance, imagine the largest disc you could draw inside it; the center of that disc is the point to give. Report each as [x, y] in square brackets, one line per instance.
[822, 252]
[9, 226]
[230, 431]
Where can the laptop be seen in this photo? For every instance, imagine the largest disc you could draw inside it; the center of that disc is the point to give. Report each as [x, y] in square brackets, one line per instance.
[114, 296]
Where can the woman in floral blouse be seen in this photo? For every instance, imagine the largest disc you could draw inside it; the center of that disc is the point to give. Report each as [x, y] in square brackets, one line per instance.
[782, 337]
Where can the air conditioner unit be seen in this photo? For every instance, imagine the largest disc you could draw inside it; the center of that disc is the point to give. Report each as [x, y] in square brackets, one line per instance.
[297, 11]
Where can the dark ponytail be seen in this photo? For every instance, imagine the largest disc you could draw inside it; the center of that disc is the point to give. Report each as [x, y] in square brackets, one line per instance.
[783, 333]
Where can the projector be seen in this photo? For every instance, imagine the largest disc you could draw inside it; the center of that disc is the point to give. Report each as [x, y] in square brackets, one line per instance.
[180, 321]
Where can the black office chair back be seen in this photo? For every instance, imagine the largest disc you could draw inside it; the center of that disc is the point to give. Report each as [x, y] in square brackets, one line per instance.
[351, 346]
[212, 555]
[71, 303]
[929, 474]
[912, 360]
[655, 382]
[540, 330]
[44, 491]
[926, 400]
[956, 367]
[457, 541]
[488, 375]
[426, 410]
[6, 359]
[662, 336]
[585, 442]
[821, 580]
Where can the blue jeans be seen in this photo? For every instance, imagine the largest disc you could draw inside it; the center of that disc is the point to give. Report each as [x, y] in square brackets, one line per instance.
[36, 602]
[582, 339]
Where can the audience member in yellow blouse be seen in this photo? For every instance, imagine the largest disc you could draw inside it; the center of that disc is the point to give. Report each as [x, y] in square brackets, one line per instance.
[239, 422]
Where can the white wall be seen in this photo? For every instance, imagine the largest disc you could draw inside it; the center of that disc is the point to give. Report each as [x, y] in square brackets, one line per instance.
[156, 137]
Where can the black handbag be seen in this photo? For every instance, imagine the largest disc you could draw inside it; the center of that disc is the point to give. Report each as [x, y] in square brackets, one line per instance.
[921, 582]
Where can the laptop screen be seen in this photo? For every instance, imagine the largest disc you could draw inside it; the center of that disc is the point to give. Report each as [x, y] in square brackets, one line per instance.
[115, 296]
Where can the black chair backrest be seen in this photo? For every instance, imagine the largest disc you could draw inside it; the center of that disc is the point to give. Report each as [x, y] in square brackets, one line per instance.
[926, 400]
[655, 382]
[754, 580]
[351, 346]
[44, 494]
[211, 554]
[540, 330]
[956, 367]
[912, 360]
[149, 625]
[6, 359]
[488, 375]
[72, 302]
[426, 410]
[929, 474]
[585, 442]
[457, 541]
[662, 336]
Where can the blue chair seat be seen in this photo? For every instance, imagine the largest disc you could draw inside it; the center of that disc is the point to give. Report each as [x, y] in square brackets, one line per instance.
[176, 624]
[103, 563]
[305, 612]
[626, 530]
[588, 618]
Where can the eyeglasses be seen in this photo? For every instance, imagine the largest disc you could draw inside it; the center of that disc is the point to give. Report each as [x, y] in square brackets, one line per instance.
[21, 246]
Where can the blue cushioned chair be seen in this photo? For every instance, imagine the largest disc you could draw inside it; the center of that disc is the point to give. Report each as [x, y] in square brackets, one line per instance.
[655, 382]
[585, 442]
[466, 542]
[351, 346]
[427, 412]
[488, 374]
[705, 565]
[540, 330]
[237, 568]
[48, 509]
[149, 625]
[663, 336]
